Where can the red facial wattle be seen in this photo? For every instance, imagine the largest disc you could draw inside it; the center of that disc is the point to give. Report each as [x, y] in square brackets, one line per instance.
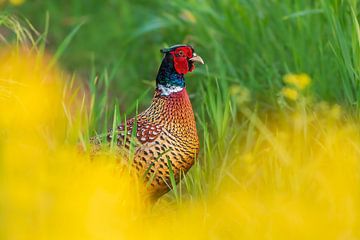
[181, 58]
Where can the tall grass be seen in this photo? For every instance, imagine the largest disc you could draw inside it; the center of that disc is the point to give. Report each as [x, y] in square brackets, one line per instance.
[252, 43]
[269, 165]
[294, 177]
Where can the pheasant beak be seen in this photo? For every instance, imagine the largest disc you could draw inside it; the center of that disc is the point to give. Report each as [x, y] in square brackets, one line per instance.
[197, 58]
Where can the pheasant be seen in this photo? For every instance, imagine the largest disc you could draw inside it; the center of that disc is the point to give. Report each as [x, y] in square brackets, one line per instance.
[162, 141]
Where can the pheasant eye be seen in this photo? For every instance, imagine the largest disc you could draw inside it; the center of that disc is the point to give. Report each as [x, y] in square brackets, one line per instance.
[181, 53]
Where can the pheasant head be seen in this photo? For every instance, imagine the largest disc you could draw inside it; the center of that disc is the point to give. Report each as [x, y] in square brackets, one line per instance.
[178, 60]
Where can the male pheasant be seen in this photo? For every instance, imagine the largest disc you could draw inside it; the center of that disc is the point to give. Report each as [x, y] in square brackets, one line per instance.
[163, 139]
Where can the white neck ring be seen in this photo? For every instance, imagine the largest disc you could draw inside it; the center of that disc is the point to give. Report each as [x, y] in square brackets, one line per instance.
[167, 90]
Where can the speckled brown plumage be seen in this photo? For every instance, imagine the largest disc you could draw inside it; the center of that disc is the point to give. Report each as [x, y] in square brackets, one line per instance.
[165, 131]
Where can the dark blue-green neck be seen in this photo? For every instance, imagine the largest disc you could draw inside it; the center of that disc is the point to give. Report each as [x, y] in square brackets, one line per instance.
[167, 75]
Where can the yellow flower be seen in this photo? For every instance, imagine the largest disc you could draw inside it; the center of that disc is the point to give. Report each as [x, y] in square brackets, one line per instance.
[16, 2]
[300, 81]
[290, 93]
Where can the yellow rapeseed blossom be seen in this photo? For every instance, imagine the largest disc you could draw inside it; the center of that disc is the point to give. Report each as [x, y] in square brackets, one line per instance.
[300, 81]
[294, 181]
[290, 93]
[48, 189]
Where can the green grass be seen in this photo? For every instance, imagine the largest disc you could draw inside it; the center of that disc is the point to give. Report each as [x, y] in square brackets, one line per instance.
[113, 46]
[252, 43]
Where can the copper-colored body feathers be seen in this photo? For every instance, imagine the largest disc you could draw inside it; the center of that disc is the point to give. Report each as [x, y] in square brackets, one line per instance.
[165, 136]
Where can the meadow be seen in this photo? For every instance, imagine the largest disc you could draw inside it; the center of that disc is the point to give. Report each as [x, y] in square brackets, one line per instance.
[276, 107]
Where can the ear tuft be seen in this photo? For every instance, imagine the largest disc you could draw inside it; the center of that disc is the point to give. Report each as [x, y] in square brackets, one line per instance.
[165, 50]
[172, 48]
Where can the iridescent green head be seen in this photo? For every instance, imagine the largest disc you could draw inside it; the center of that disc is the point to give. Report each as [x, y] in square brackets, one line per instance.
[178, 60]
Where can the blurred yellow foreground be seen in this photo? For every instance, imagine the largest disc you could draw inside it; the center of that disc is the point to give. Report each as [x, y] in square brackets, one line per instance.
[301, 180]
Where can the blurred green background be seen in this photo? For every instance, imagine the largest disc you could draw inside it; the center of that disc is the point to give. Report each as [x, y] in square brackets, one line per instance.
[251, 43]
